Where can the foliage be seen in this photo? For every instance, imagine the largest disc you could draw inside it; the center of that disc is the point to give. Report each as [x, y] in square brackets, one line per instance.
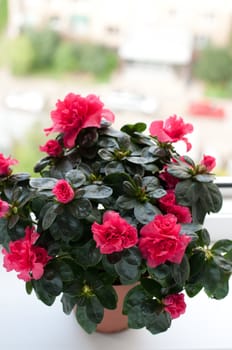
[65, 58]
[113, 207]
[45, 50]
[3, 14]
[214, 65]
[21, 55]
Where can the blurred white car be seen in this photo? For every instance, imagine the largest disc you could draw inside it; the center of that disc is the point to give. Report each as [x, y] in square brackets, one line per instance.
[30, 101]
[119, 100]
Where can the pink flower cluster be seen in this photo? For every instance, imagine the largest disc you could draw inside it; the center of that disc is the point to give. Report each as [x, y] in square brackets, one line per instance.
[52, 148]
[4, 208]
[5, 164]
[63, 191]
[76, 113]
[161, 241]
[171, 130]
[168, 205]
[25, 257]
[174, 304]
[114, 234]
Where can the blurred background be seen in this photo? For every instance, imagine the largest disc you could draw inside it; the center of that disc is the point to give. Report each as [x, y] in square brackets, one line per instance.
[146, 59]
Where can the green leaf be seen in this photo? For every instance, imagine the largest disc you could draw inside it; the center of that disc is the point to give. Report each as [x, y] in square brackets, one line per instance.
[158, 323]
[94, 309]
[125, 202]
[136, 318]
[152, 287]
[80, 208]
[51, 282]
[221, 246]
[114, 167]
[205, 177]
[181, 172]
[180, 272]
[97, 192]
[42, 294]
[84, 321]
[145, 212]
[50, 213]
[127, 272]
[45, 183]
[105, 154]
[130, 129]
[68, 303]
[87, 254]
[107, 296]
[215, 281]
[29, 287]
[136, 296]
[193, 289]
[75, 177]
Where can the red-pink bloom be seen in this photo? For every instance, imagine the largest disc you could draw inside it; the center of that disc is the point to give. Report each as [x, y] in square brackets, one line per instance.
[161, 241]
[114, 234]
[5, 164]
[170, 180]
[168, 204]
[63, 191]
[4, 208]
[173, 129]
[174, 304]
[52, 148]
[75, 113]
[26, 258]
[209, 162]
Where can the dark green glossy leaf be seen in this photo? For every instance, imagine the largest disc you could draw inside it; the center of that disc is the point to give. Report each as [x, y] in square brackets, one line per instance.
[97, 192]
[158, 323]
[136, 296]
[80, 208]
[152, 287]
[114, 167]
[127, 272]
[87, 254]
[106, 155]
[45, 183]
[130, 129]
[75, 177]
[146, 212]
[94, 309]
[221, 246]
[107, 296]
[205, 177]
[68, 303]
[84, 321]
[124, 202]
[180, 272]
[50, 214]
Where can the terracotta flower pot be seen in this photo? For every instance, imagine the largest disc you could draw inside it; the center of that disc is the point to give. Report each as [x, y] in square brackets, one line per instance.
[113, 320]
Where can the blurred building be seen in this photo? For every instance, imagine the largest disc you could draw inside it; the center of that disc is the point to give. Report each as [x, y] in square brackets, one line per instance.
[142, 30]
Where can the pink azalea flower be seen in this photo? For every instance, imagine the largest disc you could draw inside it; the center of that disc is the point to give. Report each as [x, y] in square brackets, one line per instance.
[173, 129]
[63, 191]
[4, 208]
[76, 113]
[26, 258]
[52, 148]
[208, 162]
[5, 164]
[114, 234]
[161, 241]
[174, 304]
[168, 204]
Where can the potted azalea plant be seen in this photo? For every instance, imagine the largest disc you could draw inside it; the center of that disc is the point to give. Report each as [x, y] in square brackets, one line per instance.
[113, 208]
